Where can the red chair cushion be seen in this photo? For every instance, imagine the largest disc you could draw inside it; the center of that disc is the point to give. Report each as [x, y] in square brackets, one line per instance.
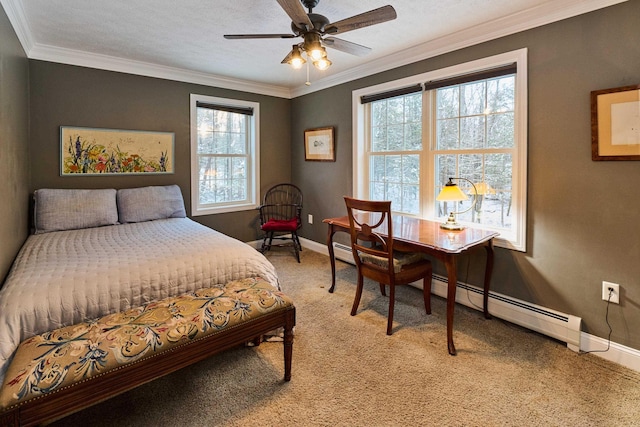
[281, 225]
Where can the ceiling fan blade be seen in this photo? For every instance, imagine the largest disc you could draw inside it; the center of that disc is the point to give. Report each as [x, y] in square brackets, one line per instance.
[296, 12]
[345, 46]
[259, 36]
[375, 16]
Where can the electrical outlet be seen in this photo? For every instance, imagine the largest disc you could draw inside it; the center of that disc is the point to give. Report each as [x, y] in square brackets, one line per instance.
[310, 218]
[614, 288]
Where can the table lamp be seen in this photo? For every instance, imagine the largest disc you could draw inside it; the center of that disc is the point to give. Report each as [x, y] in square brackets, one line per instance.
[452, 193]
[482, 190]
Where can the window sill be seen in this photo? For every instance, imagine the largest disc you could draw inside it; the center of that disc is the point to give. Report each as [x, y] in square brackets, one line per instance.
[222, 209]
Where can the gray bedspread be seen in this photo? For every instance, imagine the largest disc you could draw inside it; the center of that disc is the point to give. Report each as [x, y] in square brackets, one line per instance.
[65, 277]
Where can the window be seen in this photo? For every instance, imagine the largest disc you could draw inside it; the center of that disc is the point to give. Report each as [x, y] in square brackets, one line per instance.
[395, 148]
[224, 155]
[466, 121]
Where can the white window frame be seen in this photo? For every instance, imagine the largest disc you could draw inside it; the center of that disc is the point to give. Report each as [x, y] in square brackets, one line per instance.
[253, 158]
[519, 179]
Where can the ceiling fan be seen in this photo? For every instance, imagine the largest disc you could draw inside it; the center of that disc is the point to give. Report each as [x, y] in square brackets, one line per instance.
[313, 28]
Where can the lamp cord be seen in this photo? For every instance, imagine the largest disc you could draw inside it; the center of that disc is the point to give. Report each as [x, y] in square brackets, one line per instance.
[466, 280]
[606, 319]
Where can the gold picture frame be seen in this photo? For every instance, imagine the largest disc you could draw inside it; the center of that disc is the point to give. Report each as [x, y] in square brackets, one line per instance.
[319, 145]
[99, 152]
[615, 123]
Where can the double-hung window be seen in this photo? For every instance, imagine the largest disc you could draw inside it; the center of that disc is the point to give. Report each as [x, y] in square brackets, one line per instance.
[394, 135]
[224, 155]
[466, 121]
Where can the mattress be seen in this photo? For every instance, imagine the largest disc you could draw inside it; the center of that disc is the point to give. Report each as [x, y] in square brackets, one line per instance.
[65, 277]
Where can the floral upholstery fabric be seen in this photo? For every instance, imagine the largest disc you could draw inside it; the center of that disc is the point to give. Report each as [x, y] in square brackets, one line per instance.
[58, 358]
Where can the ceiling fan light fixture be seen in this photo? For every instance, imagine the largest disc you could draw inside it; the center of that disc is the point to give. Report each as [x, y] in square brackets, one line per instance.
[297, 63]
[313, 47]
[317, 53]
[295, 58]
[322, 63]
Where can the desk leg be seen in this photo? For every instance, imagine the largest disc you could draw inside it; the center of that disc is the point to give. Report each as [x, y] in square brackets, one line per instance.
[332, 257]
[452, 279]
[487, 278]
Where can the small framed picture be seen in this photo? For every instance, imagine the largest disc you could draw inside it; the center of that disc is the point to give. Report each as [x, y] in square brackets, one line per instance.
[319, 145]
[615, 123]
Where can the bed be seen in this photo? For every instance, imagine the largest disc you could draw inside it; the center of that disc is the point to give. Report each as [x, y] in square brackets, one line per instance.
[96, 252]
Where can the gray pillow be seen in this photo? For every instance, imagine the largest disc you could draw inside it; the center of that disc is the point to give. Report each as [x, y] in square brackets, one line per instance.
[62, 209]
[149, 203]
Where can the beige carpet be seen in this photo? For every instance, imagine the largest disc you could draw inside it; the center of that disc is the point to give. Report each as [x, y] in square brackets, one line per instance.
[347, 372]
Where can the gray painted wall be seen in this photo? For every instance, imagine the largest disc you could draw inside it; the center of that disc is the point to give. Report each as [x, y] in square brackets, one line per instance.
[77, 96]
[582, 215]
[14, 134]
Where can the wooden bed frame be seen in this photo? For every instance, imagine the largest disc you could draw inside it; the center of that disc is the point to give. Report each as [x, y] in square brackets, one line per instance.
[63, 402]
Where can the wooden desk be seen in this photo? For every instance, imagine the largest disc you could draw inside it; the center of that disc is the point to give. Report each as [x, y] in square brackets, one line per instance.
[420, 235]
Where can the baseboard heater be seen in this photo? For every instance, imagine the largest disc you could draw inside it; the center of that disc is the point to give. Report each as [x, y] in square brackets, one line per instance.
[561, 326]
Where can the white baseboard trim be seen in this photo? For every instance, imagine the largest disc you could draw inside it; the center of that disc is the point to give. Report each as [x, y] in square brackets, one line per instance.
[558, 325]
[617, 353]
[575, 339]
[314, 246]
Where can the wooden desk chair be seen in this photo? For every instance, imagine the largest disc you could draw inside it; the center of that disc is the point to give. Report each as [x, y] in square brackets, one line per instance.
[372, 246]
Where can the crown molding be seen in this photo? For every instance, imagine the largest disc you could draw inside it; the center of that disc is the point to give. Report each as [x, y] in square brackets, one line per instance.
[112, 63]
[17, 17]
[549, 12]
[15, 13]
[535, 17]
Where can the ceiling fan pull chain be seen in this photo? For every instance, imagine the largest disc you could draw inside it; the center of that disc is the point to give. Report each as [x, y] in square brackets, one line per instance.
[308, 83]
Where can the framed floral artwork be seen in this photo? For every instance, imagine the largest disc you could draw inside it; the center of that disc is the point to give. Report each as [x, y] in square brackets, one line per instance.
[90, 151]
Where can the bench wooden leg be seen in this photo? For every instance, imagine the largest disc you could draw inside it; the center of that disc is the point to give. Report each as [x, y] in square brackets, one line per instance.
[288, 345]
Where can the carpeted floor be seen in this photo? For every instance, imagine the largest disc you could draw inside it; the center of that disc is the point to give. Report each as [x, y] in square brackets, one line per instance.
[348, 372]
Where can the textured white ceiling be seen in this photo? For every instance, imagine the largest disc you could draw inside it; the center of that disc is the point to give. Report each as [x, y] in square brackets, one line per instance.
[188, 35]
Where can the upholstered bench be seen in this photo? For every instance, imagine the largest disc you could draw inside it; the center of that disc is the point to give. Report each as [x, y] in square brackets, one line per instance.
[59, 372]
